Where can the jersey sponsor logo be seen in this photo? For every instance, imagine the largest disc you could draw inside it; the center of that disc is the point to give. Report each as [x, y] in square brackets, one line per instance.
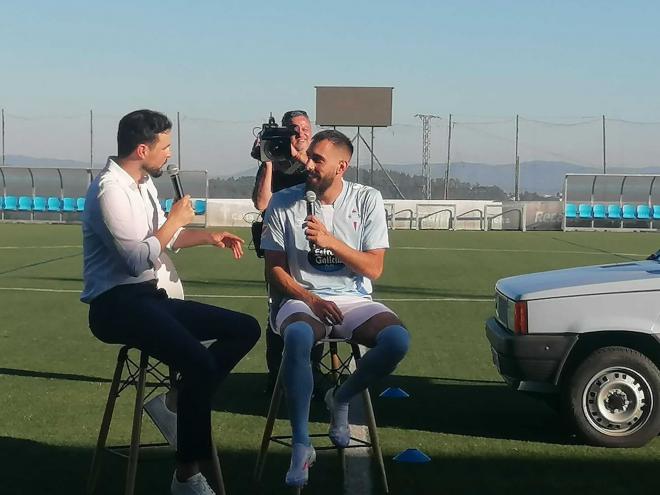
[324, 260]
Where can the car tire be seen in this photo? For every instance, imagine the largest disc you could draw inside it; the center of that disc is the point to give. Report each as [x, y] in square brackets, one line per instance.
[613, 398]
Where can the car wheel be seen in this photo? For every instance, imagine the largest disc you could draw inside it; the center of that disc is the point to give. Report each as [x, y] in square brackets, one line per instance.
[612, 398]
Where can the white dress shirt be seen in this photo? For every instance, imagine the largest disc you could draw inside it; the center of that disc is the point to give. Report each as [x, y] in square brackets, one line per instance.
[118, 223]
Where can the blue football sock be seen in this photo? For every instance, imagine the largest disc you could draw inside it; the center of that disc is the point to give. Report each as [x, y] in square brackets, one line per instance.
[298, 379]
[391, 346]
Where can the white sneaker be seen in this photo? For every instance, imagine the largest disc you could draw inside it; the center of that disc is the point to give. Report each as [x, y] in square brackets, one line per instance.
[195, 485]
[163, 418]
[302, 458]
[339, 431]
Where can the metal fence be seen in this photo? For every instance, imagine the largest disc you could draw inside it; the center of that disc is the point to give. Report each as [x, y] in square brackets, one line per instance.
[515, 153]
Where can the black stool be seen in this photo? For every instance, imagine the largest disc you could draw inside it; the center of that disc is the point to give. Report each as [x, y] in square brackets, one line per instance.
[136, 376]
[337, 369]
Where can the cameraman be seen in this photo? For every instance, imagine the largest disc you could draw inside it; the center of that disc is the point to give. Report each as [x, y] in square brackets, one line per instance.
[272, 177]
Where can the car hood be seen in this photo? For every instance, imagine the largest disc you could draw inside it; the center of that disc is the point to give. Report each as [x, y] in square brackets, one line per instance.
[586, 280]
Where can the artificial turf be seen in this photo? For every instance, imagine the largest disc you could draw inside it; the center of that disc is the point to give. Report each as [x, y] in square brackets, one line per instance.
[482, 437]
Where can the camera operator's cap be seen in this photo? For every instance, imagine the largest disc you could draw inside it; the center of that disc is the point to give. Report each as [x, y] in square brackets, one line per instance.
[288, 117]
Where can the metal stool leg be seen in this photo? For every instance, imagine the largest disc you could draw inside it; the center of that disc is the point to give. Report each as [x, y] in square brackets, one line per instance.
[137, 425]
[335, 363]
[371, 424]
[217, 471]
[107, 419]
[373, 436]
[270, 423]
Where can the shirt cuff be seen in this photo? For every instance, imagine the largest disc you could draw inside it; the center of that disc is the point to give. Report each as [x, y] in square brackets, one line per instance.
[154, 249]
[173, 240]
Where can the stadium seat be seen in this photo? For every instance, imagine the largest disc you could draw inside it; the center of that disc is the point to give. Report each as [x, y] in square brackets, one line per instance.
[68, 204]
[11, 203]
[614, 212]
[656, 212]
[54, 204]
[25, 203]
[162, 204]
[39, 203]
[571, 210]
[629, 212]
[584, 210]
[80, 204]
[2, 202]
[643, 212]
[168, 205]
[200, 206]
[599, 211]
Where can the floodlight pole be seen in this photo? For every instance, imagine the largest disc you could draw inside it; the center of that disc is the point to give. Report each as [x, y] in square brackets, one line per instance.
[516, 186]
[357, 156]
[426, 152]
[3, 137]
[448, 159]
[604, 153]
[372, 157]
[178, 140]
[91, 139]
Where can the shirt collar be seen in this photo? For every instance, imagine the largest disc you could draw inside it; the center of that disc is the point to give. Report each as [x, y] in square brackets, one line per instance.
[121, 175]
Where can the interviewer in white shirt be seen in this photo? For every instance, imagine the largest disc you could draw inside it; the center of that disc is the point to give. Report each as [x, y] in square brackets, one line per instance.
[124, 234]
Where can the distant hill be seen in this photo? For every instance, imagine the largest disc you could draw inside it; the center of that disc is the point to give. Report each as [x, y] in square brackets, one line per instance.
[30, 161]
[542, 177]
[536, 176]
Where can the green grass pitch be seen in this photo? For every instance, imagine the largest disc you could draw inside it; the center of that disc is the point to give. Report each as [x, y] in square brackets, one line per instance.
[482, 437]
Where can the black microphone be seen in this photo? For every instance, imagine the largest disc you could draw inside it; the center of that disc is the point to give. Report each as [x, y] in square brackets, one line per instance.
[310, 197]
[173, 170]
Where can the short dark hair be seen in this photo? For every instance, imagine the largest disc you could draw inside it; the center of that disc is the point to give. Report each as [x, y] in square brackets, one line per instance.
[335, 137]
[140, 127]
[287, 118]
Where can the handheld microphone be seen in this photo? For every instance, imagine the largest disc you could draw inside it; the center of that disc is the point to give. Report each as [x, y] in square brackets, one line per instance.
[173, 170]
[310, 197]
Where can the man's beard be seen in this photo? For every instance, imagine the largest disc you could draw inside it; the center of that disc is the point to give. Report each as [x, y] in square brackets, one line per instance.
[155, 173]
[320, 186]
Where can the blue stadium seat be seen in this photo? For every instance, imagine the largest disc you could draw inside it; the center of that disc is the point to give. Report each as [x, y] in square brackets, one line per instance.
[643, 212]
[80, 204]
[168, 205]
[25, 203]
[571, 210]
[2, 202]
[629, 212]
[54, 204]
[200, 206]
[584, 210]
[599, 211]
[11, 203]
[656, 212]
[614, 212]
[68, 204]
[162, 204]
[39, 203]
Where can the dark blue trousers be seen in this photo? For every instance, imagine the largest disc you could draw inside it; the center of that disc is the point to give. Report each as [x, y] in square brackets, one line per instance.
[170, 330]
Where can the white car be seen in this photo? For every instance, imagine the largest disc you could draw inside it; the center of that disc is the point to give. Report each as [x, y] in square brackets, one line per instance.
[590, 335]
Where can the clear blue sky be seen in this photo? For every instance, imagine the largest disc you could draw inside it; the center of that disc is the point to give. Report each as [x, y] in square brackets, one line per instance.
[233, 62]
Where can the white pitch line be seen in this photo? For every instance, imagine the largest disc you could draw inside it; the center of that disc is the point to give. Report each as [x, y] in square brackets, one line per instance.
[43, 247]
[403, 248]
[254, 296]
[37, 289]
[420, 248]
